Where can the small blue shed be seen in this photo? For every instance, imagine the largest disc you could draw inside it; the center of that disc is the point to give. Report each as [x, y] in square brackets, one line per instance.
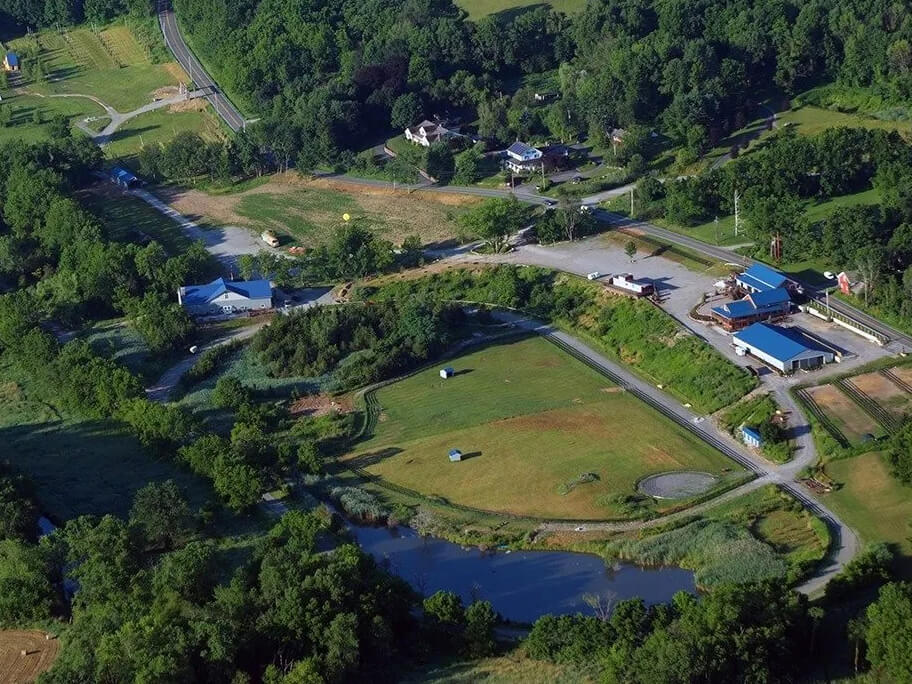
[447, 372]
[455, 455]
[751, 437]
[120, 176]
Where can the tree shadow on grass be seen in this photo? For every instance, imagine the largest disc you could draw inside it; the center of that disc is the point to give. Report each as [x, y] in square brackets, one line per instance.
[373, 457]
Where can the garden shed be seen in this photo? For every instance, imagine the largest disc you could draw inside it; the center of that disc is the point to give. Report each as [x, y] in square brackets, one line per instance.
[455, 455]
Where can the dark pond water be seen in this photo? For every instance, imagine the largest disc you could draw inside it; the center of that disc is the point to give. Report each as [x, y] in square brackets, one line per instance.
[521, 585]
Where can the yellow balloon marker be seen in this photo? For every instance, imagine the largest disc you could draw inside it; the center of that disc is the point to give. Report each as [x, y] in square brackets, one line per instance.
[346, 217]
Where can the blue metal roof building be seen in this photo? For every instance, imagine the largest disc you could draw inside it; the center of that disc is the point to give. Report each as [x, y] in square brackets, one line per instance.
[750, 436]
[224, 296]
[757, 306]
[786, 349]
[123, 177]
[760, 278]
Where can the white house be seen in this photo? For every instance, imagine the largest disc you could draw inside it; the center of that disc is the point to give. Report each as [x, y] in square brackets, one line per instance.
[427, 133]
[225, 297]
[522, 157]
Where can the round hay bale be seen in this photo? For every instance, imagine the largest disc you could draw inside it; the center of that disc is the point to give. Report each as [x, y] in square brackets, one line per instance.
[678, 484]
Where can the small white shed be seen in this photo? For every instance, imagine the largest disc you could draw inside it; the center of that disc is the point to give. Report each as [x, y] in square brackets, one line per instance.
[447, 372]
[455, 455]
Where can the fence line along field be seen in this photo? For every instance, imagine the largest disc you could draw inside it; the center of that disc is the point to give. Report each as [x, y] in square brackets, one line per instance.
[540, 433]
[40, 653]
[845, 414]
[885, 392]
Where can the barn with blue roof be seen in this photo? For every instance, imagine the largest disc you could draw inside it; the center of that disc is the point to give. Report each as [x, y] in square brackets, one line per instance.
[757, 306]
[785, 349]
[226, 297]
[760, 278]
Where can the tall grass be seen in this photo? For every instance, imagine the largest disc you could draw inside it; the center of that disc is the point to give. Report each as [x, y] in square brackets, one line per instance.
[719, 552]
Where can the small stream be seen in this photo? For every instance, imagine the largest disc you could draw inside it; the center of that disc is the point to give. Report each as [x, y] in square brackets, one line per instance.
[521, 585]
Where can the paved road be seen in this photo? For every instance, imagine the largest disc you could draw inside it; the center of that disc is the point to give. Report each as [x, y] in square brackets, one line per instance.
[118, 119]
[182, 53]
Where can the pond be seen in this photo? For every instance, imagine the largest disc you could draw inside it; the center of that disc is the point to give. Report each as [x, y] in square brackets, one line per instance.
[521, 585]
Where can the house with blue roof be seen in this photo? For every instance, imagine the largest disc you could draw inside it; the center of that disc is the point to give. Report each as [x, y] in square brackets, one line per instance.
[11, 62]
[760, 278]
[785, 349]
[757, 306]
[221, 297]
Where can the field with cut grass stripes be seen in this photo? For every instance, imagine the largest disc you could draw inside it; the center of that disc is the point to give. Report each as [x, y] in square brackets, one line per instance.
[542, 435]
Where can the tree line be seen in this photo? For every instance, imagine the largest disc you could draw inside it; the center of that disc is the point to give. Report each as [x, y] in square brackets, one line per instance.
[334, 73]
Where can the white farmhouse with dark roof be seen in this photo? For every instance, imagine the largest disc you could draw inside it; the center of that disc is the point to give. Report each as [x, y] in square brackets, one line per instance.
[427, 133]
[522, 157]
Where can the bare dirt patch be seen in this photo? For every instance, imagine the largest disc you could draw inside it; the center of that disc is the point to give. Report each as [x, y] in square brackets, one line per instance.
[165, 92]
[394, 214]
[177, 71]
[40, 654]
[846, 414]
[320, 405]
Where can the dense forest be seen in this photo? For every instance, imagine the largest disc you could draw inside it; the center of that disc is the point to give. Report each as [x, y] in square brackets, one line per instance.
[333, 76]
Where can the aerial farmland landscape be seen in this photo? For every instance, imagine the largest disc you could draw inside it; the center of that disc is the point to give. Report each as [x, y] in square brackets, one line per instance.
[455, 341]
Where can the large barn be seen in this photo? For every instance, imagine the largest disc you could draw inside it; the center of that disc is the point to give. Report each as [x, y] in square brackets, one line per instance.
[785, 349]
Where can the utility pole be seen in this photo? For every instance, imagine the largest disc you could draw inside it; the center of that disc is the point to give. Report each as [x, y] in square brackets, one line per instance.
[737, 217]
[716, 223]
[631, 202]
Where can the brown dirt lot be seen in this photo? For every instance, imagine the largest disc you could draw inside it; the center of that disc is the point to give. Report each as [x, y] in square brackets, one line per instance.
[40, 655]
[394, 214]
[848, 416]
[884, 392]
[904, 373]
[321, 405]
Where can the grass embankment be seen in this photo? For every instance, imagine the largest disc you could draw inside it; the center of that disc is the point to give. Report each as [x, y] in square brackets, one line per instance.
[530, 421]
[478, 9]
[635, 332]
[79, 466]
[310, 211]
[763, 535]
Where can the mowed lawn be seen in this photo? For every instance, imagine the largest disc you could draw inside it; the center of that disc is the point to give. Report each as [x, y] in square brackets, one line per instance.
[478, 9]
[873, 502]
[530, 420]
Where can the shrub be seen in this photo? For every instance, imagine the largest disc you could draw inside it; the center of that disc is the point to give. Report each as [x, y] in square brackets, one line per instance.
[359, 503]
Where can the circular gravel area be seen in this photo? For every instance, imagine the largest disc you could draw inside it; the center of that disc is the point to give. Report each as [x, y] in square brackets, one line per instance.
[679, 484]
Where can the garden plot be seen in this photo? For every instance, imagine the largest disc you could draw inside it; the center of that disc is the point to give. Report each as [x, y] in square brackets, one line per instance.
[541, 435]
[845, 414]
[884, 392]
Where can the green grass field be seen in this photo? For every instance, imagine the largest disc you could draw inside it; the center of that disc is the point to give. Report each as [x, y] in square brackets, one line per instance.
[22, 108]
[80, 467]
[478, 9]
[128, 219]
[530, 421]
[873, 502]
[160, 126]
[111, 66]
